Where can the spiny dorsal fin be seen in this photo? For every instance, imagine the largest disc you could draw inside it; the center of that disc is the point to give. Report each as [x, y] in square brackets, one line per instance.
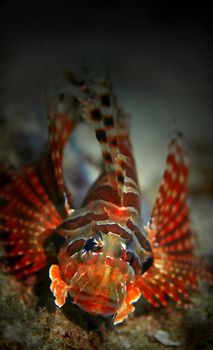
[114, 162]
[116, 121]
[92, 114]
[120, 166]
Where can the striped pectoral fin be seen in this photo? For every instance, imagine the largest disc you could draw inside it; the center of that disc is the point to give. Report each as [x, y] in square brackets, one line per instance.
[167, 281]
[170, 212]
[58, 287]
[169, 227]
[176, 267]
[27, 217]
[23, 243]
[33, 203]
[172, 280]
[23, 258]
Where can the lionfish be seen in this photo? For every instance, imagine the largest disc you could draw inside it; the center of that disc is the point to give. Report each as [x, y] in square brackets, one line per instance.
[106, 258]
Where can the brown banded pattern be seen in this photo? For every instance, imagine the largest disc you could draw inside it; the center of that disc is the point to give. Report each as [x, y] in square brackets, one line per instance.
[113, 136]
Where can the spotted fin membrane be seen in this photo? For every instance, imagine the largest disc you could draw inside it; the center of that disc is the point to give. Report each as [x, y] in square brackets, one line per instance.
[34, 201]
[176, 267]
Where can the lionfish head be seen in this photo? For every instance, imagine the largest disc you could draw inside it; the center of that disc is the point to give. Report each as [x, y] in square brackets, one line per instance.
[99, 272]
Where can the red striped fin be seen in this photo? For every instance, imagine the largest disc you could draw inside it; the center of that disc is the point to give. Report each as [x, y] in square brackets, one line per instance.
[157, 285]
[176, 267]
[26, 219]
[33, 203]
[169, 225]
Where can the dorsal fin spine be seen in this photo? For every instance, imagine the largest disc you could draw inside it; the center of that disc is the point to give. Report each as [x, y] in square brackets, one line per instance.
[92, 114]
[100, 114]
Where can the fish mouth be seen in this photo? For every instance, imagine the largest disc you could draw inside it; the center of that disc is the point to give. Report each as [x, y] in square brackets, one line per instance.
[99, 289]
[96, 304]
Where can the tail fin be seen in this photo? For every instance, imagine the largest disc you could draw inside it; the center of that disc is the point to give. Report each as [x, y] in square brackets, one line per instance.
[34, 202]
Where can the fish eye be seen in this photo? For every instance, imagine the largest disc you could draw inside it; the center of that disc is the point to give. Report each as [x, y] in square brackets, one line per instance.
[94, 244]
[90, 243]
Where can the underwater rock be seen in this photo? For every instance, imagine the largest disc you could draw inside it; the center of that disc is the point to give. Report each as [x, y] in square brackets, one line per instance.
[164, 338]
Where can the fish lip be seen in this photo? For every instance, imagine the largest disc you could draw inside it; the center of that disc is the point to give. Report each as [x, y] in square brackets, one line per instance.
[95, 304]
[97, 301]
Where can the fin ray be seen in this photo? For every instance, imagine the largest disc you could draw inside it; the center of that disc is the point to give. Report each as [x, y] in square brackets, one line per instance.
[176, 268]
[33, 203]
